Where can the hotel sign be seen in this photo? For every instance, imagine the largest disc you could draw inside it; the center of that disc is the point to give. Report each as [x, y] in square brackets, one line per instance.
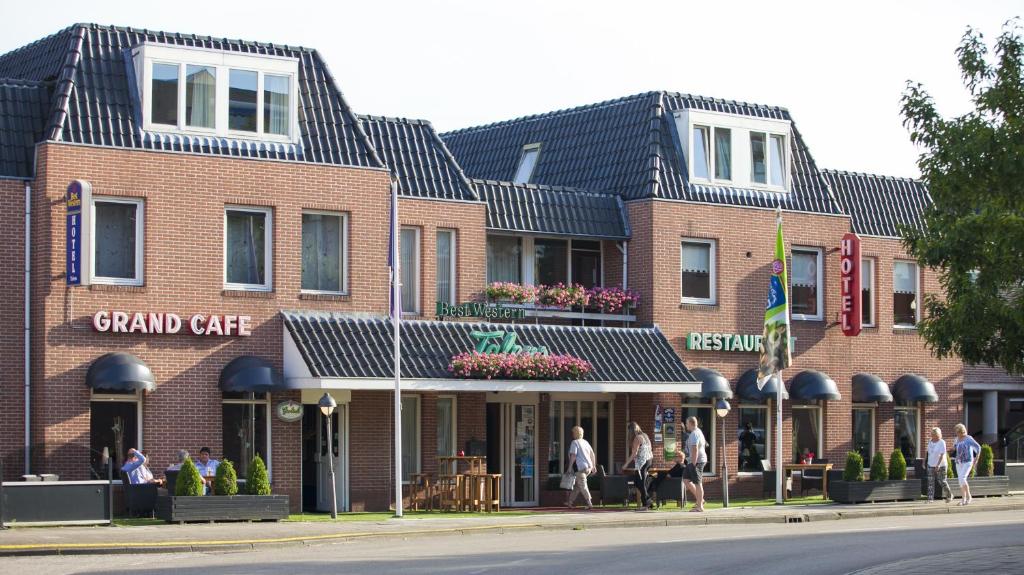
[708, 341]
[477, 309]
[849, 275]
[76, 200]
[171, 323]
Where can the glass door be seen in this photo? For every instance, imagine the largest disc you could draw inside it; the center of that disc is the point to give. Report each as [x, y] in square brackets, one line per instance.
[338, 457]
[519, 450]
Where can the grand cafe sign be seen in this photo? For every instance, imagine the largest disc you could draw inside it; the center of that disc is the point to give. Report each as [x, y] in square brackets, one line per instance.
[171, 323]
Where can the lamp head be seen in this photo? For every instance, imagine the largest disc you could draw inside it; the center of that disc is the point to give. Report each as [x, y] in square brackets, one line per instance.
[327, 404]
[722, 407]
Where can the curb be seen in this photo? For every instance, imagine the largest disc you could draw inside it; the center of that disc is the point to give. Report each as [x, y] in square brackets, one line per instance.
[43, 549]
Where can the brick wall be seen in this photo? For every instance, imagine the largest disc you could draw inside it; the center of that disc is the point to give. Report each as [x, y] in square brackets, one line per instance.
[12, 309]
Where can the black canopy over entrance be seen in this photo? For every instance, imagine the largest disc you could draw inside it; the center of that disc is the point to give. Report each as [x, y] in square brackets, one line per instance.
[120, 371]
[869, 388]
[811, 384]
[912, 388]
[713, 385]
[746, 388]
[250, 374]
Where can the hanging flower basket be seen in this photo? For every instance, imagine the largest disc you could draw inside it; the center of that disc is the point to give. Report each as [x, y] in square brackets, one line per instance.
[510, 292]
[476, 365]
[563, 296]
[613, 299]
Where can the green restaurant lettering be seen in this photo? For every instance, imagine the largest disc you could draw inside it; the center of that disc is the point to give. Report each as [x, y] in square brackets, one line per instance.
[502, 342]
[704, 341]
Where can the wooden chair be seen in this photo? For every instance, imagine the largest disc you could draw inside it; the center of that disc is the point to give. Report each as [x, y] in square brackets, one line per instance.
[421, 491]
[812, 478]
[492, 494]
[614, 488]
[449, 492]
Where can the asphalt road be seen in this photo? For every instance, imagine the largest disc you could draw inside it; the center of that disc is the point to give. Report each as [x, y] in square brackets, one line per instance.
[825, 547]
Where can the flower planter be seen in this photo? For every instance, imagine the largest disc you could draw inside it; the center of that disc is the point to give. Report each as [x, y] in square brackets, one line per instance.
[222, 508]
[874, 491]
[995, 486]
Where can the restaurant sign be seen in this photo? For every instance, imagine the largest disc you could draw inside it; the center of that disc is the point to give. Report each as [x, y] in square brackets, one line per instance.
[705, 341]
[289, 411]
[849, 275]
[502, 342]
[478, 309]
[171, 323]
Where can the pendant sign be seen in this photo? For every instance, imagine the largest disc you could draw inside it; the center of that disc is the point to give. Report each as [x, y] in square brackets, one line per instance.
[74, 206]
[849, 275]
[289, 411]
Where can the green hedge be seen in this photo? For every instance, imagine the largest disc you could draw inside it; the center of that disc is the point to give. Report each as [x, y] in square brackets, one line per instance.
[986, 464]
[226, 481]
[878, 470]
[189, 483]
[897, 466]
[257, 483]
[854, 470]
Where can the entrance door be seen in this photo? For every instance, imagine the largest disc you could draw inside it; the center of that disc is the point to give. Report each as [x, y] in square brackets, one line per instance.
[339, 457]
[518, 454]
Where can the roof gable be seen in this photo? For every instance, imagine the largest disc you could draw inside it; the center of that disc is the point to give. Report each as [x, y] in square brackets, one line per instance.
[879, 205]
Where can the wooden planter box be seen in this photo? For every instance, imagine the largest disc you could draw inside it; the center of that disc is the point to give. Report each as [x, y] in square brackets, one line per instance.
[997, 485]
[873, 491]
[222, 508]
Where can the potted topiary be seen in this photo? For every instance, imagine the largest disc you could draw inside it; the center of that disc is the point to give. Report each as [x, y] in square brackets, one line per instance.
[878, 469]
[225, 504]
[897, 466]
[854, 470]
[884, 484]
[226, 480]
[257, 483]
[983, 481]
[190, 483]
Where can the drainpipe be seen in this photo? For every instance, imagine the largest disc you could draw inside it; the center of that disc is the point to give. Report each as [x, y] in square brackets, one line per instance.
[625, 264]
[27, 328]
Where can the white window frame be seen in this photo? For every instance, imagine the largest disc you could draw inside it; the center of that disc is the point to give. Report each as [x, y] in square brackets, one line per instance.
[140, 210]
[419, 434]
[452, 265]
[768, 135]
[268, 240]
[418, 278]
[741, 156]
[768, 441]
[873, 408]
[917, 294]
[258, 400]
[455, 420]
[872, 267]
[917, 409]
[821, 425]
[708, 130]
[819, 289]
[528, 148]
[713, 161]
[589, 434]
[344, 253]
[223, 61]
[712, 275]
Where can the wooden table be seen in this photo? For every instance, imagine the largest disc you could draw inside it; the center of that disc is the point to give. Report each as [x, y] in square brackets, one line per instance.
[449, 465]
[824, 467]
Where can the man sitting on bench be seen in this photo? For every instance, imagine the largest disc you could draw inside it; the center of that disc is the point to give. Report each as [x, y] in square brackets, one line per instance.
[676, 472]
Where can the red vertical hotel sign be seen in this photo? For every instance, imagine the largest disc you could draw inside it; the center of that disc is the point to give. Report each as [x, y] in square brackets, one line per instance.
[849, 268]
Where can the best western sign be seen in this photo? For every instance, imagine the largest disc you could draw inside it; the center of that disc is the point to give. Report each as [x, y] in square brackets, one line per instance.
[708, 341]
[197, 324]
[475, 309]
[849, 275]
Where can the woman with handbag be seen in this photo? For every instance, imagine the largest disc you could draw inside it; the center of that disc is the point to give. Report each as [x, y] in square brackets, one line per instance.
[640, 455]
[582, 464]
[967, 450]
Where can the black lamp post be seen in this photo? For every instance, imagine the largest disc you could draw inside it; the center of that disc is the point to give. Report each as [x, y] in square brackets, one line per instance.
[327, 406]
[722, 409]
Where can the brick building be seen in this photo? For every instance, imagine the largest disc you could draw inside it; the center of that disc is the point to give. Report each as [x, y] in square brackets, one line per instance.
[227, 185]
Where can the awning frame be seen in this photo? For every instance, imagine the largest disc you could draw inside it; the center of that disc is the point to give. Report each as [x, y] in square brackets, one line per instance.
[486, 385]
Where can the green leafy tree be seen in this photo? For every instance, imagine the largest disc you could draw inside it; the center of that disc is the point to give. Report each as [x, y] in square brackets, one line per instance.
[973, 232]
[986, 464]
[257, 483]
[878, 470]
[897, 466]
[189, 482]
[854, 470]
[226, 481]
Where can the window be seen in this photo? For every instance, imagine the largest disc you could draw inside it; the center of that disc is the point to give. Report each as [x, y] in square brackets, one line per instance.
[114, 426]
[767, 159]
[904, 294]
[867, 291]
[242, 100]
[723, 154]
[410, 436]
[446, 266]
[503, 259]
[246, 429]
[907, 421]
[806, 290]
[758, 158]
[164, 94]
[117, 241]
[247, 248]
[200, 96]
[595, 419]
[446, 430]
[864, 433]
[706, 422]
[698, 271]
[754, 436]
[410, 253]
[586, 263]
[276, 106]
[806, 431]
[324, 251]
[700, 152]
[527, 163]
[551, 261]
[778, 163]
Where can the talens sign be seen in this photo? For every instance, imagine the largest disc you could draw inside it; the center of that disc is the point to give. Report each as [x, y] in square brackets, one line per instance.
[171, 323]
[849, 275]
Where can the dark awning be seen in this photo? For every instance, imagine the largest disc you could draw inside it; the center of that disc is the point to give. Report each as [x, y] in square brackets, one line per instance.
[869, 388]
[120, 371]
[912, 388]
[811, 384]
[746, 388]
[713, 385]
[250, 374]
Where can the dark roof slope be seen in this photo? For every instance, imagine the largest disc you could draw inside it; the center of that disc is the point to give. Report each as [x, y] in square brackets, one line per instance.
[23, 109]
[418, 158]
[94, 98]
[629, 147]
[334, 345]
[877, 204]
[553, 210]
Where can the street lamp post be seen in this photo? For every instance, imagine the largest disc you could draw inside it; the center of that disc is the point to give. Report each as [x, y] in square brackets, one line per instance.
[722, 409]
[327, 406]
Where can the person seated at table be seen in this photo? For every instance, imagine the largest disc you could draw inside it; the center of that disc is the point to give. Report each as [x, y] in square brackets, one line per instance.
[182, 456]
[206, 465]
[676, 471]
[135, 468]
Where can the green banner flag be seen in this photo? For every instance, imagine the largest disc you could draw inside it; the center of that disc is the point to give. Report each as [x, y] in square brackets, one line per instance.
[775, 352]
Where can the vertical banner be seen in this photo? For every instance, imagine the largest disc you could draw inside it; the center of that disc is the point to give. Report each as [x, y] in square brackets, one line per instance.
[849, 274]
[775, 350]
[75, 203]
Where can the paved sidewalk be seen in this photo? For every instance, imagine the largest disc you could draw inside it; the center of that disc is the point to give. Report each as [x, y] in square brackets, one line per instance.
[230, 536]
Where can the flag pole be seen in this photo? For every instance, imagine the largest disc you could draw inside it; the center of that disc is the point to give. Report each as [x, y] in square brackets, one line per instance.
[396, 320]
[779, 471]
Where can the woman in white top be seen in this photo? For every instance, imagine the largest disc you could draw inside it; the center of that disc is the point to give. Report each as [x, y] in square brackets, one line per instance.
[640, 455]
[936, 463]
[583, 463]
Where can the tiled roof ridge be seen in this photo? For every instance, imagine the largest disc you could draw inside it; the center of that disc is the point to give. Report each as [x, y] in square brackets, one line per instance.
[65, 84]
[871, 175]
[653, 328]
[21, 83]
[197, 37]
[360, 132]
[394, 119]
[39, 41]
[543, 187]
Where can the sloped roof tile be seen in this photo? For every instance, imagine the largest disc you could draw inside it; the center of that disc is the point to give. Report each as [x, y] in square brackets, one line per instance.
[879, 205]
[548, 210]
[23, 109]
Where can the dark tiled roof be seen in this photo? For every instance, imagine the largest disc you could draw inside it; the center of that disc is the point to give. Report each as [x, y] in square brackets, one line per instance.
[334, 345]
[878, 205]
[23, 109]
[418, 158]
[553, 210]
[628, 147]
[94, 101]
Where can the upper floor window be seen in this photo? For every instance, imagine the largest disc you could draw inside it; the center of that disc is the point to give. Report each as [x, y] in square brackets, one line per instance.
[527, 163]
[117, 241]
[409, 246]
[445, 266]
[806, 292]
[867, 292]
[723, 154]
[504, 257]
[767, 159]
[206, 92]
[905, 310]
[324, 249]
[736, 150]
[698, 271]
[247, 248]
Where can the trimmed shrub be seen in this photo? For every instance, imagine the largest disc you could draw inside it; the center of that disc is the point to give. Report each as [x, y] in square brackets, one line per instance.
[986, 464]
[878, 470]
[257, 483]
[189, 483]
[854, 470]
[226, 481]
[897, 466]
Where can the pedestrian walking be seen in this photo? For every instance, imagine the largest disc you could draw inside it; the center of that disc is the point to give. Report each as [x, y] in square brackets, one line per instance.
[697, 458]
[583, 463]
[936, 464]
[967, 451]
[640, 455]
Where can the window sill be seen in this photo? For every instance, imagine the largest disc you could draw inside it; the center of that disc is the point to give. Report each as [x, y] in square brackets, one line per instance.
[699, 305]
[313, 296]
[904, 329]
[254, 294]
[124, 288]
[807, 318]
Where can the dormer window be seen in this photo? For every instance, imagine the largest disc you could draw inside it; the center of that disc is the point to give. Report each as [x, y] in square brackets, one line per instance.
[210, 92]
[736, 151]
[527, 162]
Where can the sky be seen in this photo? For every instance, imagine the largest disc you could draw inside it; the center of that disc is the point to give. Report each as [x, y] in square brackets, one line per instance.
[839, 67]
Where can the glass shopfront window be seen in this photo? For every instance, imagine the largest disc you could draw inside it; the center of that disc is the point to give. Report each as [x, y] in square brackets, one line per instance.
[753, 438]
[864, 433]
[595, 419]
[245, 429]
[706, 422]
[908, 431]
[806, 432]
[114, 427]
